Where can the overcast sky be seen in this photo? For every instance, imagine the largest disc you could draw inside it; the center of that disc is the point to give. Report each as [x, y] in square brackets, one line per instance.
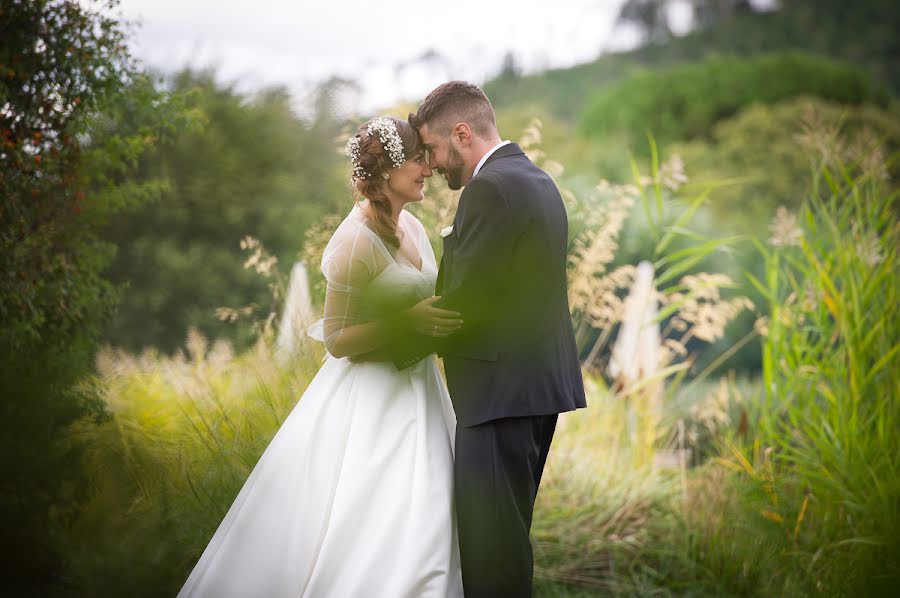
[298, 43]
[379, 44]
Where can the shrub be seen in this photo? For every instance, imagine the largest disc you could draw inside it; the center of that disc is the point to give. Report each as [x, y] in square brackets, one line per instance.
[684, 102]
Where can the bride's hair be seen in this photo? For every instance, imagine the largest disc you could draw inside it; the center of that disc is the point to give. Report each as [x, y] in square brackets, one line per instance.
[371, 162]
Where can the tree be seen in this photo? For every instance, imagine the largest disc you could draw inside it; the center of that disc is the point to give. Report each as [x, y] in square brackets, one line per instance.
[650, 16]
[61, 65]
[251, 168]
[509, 69]
[708, 13]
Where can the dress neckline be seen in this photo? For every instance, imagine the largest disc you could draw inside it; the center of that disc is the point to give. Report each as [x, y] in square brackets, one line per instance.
[393, 255]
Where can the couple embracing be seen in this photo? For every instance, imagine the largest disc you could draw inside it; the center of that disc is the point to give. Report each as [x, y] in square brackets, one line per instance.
[381, 483]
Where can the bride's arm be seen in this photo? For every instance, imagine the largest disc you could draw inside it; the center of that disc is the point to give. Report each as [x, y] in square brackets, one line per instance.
[358, 340]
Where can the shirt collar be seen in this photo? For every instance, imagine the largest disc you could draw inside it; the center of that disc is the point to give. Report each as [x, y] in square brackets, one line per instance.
[488, 155]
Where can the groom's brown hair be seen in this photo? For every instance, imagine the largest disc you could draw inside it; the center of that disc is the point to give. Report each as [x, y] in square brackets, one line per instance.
[454, 102]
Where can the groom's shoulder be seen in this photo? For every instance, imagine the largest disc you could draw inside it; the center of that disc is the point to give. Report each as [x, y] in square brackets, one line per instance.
[513, 169]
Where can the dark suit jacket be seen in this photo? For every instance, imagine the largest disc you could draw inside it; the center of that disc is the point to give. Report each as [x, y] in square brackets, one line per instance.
[504, 269]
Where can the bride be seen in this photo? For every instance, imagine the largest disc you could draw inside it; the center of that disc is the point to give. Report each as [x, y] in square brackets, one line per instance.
[353, 497]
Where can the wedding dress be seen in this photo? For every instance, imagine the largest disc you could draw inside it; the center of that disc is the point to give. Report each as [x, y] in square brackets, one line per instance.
[353, 497]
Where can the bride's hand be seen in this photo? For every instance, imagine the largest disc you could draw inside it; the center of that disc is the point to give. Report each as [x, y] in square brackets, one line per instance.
[434, 321]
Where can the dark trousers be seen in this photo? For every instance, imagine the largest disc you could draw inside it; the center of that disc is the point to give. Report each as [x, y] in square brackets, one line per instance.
[497, 473]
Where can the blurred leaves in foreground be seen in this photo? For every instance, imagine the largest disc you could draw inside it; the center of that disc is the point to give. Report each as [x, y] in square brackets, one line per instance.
[62, 65]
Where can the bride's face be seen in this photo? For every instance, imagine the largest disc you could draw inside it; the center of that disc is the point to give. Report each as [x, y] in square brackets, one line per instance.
[407, 182]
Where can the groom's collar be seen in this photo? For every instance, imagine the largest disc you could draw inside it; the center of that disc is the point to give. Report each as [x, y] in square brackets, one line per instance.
[501, 151]
[487, 155]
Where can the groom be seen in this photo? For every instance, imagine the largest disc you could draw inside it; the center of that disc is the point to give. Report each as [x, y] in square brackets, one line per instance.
[513, 366]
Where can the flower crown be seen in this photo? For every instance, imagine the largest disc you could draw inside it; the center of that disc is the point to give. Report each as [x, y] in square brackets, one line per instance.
[386, 129]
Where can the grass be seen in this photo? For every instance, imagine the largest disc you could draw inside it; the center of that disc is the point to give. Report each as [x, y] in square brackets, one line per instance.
[828, 455]
[791, 486]
[184, 435]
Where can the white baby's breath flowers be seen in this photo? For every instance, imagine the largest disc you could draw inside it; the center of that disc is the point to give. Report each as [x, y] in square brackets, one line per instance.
[386, 129]
[390, 139]
[352, 152]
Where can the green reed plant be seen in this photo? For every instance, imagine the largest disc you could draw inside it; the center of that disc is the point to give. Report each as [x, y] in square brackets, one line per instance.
[824, 473]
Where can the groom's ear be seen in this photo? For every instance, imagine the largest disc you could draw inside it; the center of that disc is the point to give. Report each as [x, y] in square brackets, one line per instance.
[462, 133]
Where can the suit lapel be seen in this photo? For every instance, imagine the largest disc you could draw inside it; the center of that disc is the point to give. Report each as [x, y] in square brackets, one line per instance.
[446, 266]
[439, 284]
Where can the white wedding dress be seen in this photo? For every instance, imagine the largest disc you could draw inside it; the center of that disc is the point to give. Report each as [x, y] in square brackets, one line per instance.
[353, 497]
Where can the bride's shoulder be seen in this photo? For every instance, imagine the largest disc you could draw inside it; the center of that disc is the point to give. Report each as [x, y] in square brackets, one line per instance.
[354, 224]
[411, 219]
[352, 232]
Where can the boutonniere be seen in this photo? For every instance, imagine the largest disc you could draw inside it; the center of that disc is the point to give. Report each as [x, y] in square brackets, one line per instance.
[446, 231]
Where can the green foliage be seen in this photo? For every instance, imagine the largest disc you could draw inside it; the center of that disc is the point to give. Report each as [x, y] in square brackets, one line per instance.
[831, 406]
[61, 65]
[765, 150]
[601, 512]
[864, 35]
[811, 506]
[611, 517]
[184, 435]
[560, 92]
[808, 502]
[765, 147]
[251, 166]
[685, 102]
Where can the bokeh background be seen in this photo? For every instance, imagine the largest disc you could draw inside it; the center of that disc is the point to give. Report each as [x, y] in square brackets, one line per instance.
[170, 174]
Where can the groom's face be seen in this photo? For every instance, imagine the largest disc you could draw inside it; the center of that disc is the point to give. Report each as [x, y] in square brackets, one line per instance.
[443, 157]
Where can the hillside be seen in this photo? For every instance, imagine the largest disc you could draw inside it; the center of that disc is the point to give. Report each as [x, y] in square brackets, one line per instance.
[862, 32]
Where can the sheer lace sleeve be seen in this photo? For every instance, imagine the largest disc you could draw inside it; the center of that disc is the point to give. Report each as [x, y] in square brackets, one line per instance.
[350, 262]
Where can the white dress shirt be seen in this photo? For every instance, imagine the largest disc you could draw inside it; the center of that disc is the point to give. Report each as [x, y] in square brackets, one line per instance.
[488, 155]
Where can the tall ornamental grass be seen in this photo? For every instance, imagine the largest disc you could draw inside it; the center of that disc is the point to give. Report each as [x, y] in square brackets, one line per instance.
[611, 517]
[822, 501]
[185, 433]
